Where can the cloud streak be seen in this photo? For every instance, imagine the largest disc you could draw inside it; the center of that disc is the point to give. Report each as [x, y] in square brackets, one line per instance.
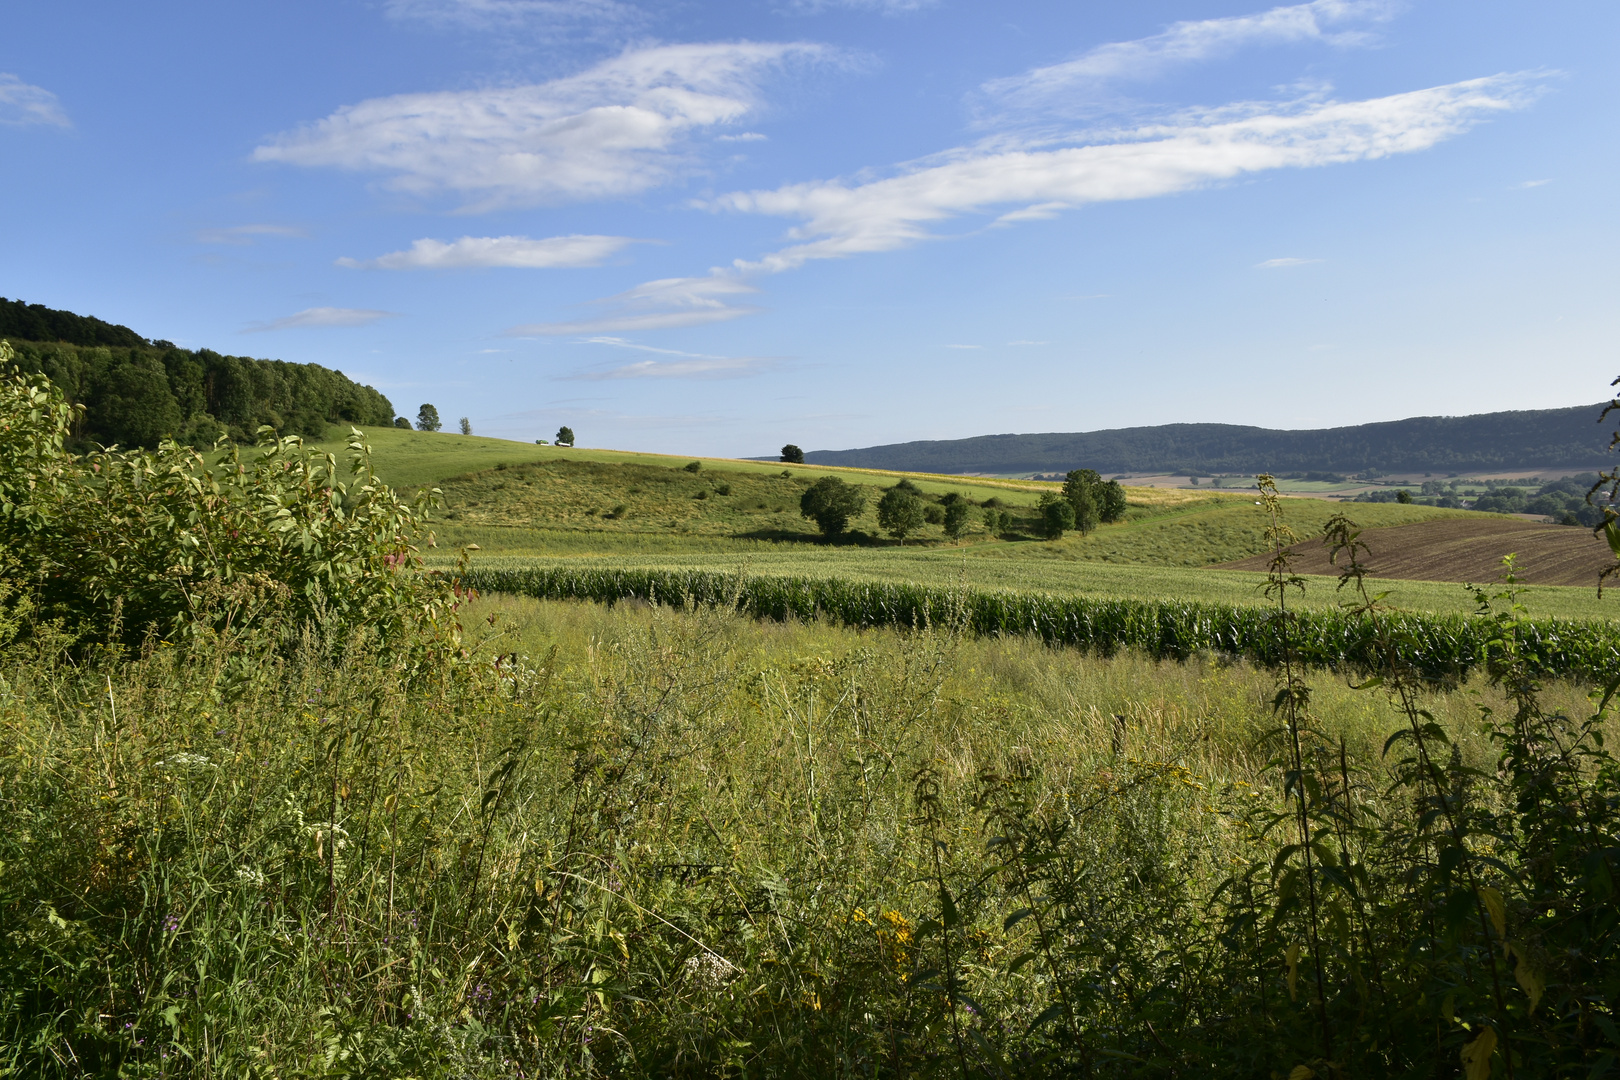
[1057, 86]
[685, 366]
[548, 17]
[836, 219]
[322, 317]
[1277, 264]
[667, 303]
[839, 219]
[243, 235]
[23, 104]
[519, 252]
[617, 129]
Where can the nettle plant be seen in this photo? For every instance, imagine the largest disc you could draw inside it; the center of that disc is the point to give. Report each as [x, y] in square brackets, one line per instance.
[118, 545]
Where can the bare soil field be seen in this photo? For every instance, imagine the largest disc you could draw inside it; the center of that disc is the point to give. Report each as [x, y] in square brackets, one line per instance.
[1464, 551]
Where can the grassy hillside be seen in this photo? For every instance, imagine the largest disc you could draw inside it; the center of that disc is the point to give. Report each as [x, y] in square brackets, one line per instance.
[411, 458]
[537, 505]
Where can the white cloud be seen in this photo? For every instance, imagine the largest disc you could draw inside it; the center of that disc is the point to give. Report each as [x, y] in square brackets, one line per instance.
[22, 104]
[1532, 183]
[686, 366]
[620, 128]
[503, 251]
[242, 235]
[747, 136]
[544, 16]
[886, 7]
[657, 305]
[322, 316]
[1274, 264]
[1026, 343]
[1057, 85]
[838, 219]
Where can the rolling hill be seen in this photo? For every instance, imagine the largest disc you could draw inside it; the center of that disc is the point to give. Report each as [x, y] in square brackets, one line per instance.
[1540, 438]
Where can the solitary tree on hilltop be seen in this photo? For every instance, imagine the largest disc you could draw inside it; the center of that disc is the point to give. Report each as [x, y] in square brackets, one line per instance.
[830, 503]
[427, 419]
[466, 426]
[792, 454]
[565, 436]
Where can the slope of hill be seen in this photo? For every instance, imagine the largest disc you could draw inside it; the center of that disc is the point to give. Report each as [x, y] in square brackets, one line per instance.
[136, 391]
[1525, 439]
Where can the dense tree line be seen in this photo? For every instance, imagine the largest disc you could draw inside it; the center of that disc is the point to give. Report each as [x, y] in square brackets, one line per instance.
[1495, 441]
[135, 392]
[1564, 500]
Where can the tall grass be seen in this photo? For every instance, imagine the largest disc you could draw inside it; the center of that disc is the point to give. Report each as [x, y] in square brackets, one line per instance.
[666, 843]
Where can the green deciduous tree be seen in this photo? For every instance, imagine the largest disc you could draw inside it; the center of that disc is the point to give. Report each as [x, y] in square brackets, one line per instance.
[427, 419]
[1057, 515]
[565, 436]
[956, 519]
[901, 513]
[466, 426]
[401, 422]
[830, 503]
[1095, 500]
[792, 454]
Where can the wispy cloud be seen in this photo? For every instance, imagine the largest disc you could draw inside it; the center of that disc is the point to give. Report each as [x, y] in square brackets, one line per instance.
[964, 346]
[885, 7]
[545, 17]
[839, 219]
[22, 104]
[1026, 343]
[501, 251]
[619, 128]
[836, 219]
[322, 316]
[242, 235]
[1275, 264]
[1061, 86]
[686, 365]
[1532, 183]
[657, 305]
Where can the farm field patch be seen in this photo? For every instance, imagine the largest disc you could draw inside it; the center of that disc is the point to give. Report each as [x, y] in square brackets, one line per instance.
[1467, 549]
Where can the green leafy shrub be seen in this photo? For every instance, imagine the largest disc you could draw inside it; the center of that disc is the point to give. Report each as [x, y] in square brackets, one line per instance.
[121, 544]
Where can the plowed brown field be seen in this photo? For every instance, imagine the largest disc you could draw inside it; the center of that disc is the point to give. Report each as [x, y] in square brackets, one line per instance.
[1465, 551]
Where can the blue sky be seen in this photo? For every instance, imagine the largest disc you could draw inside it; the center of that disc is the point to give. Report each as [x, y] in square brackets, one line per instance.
[715, 227]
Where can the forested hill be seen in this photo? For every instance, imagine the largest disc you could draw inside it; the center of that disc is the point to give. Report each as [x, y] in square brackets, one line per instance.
[137, 391]
[1504, 440]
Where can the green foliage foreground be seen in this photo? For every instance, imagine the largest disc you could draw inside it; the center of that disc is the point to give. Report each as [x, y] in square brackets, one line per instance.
[682, 852]
[327, 836]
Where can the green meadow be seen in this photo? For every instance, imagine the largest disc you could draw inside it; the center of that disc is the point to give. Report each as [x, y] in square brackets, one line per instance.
[541, 505]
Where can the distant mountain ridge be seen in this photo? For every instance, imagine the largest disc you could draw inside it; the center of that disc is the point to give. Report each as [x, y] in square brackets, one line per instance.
[1536, 438]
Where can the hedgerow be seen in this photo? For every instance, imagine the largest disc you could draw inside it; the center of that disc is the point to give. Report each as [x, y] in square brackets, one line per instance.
[1439, 646]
